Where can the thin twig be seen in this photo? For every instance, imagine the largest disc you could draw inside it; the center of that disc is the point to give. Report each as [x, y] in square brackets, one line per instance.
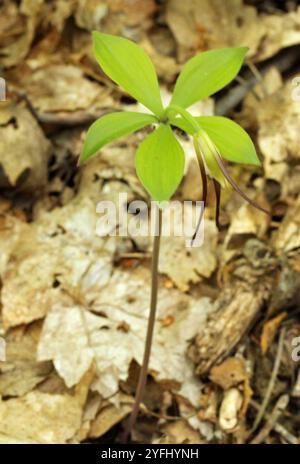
[280, 429]
[255, 71]
[278, 409]
[235, 186]
[283, 61]
[151, 321]
[134, 255]
[243, 82]
[204, 189]
[217, 188]
[271, 384]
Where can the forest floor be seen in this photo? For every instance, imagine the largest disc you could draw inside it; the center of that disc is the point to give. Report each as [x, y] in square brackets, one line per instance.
[74, 305]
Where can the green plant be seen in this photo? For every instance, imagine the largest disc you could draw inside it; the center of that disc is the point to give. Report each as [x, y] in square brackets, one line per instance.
[160, 157]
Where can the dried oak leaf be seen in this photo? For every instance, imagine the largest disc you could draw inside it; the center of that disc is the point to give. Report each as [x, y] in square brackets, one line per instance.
[24, 150]
[104, 340]
[65, 243]
[44, 418]
[59, 252]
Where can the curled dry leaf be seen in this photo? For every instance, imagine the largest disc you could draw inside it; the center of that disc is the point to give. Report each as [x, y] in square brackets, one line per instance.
[270, 329]
[24, 159]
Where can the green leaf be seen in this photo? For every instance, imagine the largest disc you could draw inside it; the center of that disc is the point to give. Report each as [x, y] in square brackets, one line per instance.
[130, 67]
[160, 163]
[233, 143]
[110, 127]
[206, 73]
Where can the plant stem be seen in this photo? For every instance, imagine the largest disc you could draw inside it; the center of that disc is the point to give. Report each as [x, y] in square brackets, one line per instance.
[151, 321]
[187, 116]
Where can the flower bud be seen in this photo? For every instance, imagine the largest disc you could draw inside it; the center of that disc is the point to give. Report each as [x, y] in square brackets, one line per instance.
[209, 153]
